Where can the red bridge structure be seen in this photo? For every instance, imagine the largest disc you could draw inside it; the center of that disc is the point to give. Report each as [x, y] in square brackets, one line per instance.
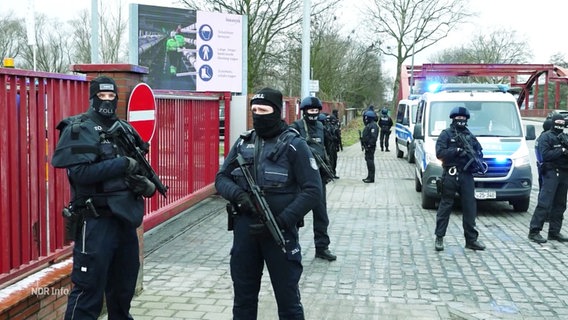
[538, 87]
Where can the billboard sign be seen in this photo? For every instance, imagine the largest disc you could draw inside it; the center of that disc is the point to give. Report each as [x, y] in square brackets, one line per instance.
[187, 49]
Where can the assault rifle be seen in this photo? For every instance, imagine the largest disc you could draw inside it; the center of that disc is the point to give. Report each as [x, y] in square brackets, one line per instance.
[563, 137]
[478, 166]
[328, 173]
[361, 141]
[125, 141]
[261, 206]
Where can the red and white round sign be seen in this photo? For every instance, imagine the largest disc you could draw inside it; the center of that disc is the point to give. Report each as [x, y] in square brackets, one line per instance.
[141, 111]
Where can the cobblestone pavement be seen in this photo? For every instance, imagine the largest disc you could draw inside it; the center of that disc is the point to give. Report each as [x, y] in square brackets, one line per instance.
[387, 267]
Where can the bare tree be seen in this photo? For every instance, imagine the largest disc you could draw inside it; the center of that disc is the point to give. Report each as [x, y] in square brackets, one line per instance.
[12, 36]
[113, 27]
[413, 26]
[81, 37]
[52, 47]
[499, 46]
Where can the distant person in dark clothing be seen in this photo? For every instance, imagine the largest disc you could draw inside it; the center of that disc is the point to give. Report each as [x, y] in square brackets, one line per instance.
[369, 142]
[546, 125]
[385, 123]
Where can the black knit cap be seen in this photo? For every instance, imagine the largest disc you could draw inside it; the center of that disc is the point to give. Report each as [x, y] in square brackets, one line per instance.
[102, 83]
[268, 96]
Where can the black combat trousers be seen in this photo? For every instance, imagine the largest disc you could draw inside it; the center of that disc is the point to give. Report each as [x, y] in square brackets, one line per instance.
[321, 222]
[551, 201]
[384, 139]
[105, 264]
[462, 183]
[249, 254]
[370, 159]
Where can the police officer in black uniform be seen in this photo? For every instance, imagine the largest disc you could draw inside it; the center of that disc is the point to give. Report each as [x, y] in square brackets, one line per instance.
[284, 168]
[312, 130]
[553, 193]
[385, 123]
[369, 142]
[330, 141]
[106, 207]
[546, 125]
[457, 177]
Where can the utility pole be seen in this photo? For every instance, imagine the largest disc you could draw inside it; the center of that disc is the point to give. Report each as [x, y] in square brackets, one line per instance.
[306, 49]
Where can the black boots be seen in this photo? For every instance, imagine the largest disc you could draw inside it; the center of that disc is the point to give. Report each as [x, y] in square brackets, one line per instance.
[475, 245]
[325, 254]
[367, 180]
[536, 237]
[439, 244]
[558, 237]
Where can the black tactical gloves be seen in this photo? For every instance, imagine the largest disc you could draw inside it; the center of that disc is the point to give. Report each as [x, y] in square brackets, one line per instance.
[140, 185]
[131, 166]
[244, 204]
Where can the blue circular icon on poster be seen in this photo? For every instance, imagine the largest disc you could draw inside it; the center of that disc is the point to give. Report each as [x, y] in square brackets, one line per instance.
[205, 52]
[205, 32]
[205, 72]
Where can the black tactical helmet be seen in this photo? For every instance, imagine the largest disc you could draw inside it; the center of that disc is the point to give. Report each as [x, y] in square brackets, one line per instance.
[310, 103]
[459, 111]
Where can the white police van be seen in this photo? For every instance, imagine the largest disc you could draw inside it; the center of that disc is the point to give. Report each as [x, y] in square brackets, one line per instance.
[496, 122]
[404, 126]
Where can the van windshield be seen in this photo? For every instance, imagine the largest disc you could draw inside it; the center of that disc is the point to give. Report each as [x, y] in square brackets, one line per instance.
[487, 118]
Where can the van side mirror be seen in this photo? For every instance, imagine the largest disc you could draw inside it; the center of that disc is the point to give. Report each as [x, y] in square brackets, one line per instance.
[530, 132]
[417, 134]
[405, 122]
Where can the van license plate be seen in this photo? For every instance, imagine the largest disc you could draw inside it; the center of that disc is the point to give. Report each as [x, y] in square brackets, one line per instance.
[485, 194]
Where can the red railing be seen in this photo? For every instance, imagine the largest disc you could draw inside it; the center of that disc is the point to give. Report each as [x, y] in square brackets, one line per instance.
[184, 152]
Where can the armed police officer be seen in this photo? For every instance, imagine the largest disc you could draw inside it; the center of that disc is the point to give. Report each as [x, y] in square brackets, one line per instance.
[457, 177]
[106, 206]
[285, 170]
[369, 142]
[546, 125]
[385, 124]
[330, 141]
[553, 192]
[312, 130]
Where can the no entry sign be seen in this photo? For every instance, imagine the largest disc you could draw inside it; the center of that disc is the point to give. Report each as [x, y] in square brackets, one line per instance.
[141, 111]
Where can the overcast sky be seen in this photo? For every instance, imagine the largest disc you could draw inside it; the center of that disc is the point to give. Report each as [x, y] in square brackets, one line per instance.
[539, 22]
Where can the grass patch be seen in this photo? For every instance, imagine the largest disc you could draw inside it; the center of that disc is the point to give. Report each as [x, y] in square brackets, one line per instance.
[350, 133]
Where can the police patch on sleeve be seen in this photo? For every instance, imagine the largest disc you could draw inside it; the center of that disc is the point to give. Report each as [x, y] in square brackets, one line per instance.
[313, 164]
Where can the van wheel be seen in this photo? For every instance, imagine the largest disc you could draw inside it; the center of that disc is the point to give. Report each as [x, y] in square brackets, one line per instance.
[410, 155]
[399, 152]
[417, 184]
[521, 205]
[428, 202]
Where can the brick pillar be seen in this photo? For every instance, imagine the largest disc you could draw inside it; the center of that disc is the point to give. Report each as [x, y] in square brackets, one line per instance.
[126, 76]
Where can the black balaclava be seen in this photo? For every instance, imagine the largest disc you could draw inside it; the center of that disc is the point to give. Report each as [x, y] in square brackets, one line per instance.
[105, 108]
[459, 124]
[310, 103]
[558, 123]
[268, 125]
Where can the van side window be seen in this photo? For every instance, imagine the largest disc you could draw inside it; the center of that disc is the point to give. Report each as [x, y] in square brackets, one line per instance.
[420, 111]
[400, 113]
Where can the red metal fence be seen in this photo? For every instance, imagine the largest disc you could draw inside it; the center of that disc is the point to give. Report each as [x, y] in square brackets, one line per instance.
[184, 152]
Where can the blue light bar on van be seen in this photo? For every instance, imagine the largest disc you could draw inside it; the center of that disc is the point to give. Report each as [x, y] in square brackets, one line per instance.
[434, 87]
[467, 87]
